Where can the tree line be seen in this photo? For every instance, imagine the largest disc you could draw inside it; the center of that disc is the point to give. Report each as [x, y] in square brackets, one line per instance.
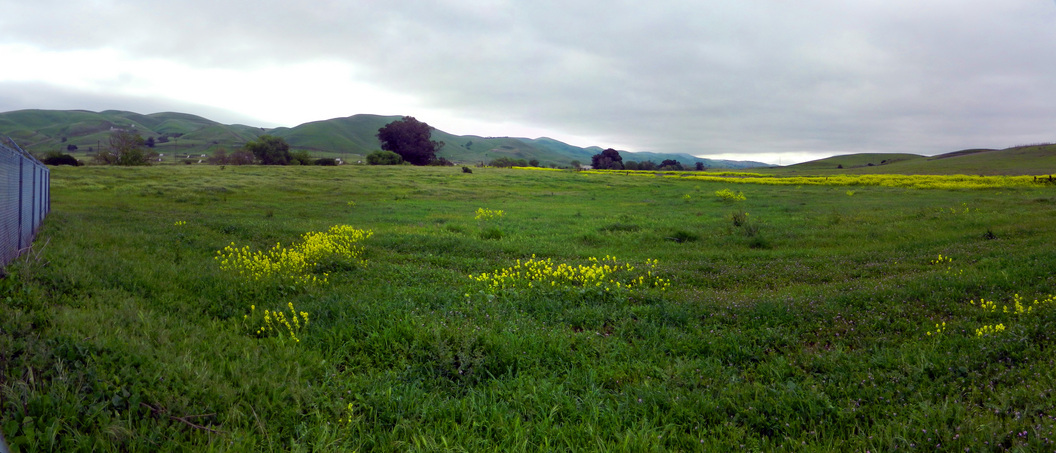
[610, 159]
[406, 140]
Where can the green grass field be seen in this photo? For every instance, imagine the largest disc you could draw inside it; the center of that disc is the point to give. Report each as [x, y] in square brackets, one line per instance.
[802, 318]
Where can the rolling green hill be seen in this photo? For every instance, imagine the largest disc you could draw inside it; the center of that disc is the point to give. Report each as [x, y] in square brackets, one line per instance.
[1020, 160]
[351, 138]
[351, 135]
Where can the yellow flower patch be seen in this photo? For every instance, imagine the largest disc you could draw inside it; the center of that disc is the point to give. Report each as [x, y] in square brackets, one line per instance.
[297, 263]
[605, 274]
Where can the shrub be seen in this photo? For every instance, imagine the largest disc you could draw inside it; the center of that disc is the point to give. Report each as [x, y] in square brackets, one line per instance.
[728, 195]
[326, 161]
[739, 218]
[507, 162]
[126, 148]
[219, 157]
[240, 157]
[301, 158]
[57, 158]
[384, 158]
[488, 214]
[271, 150]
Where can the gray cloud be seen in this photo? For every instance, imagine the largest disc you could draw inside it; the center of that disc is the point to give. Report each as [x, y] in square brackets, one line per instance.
[754, 76]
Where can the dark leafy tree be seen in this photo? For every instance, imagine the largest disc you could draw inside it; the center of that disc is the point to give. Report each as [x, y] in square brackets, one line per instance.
[410, 139]
[699, 166]
[71, 148]
[149, 142]
[57, 158]
[270, 150]
[646, 165]
[609, 159]
[533, 163]
[326, 161]
[630, 165]
[575, 164]
[384, 158]
[671, 164]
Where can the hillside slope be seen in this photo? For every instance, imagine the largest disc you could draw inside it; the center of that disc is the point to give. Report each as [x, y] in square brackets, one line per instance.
[1020, 160]
[351, 137]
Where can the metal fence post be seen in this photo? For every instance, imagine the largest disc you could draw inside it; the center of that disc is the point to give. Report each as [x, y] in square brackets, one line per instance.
[21, 200]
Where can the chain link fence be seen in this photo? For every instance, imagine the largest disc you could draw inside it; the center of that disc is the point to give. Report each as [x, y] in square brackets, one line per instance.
[25, 198]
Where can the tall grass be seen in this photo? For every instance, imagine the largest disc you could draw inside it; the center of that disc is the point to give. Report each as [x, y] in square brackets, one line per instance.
[126, 334]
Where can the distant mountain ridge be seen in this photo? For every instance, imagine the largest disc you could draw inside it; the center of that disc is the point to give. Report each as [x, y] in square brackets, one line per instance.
[350, 137]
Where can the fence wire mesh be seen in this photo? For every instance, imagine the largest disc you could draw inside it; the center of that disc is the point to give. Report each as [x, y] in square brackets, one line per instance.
[25, 199]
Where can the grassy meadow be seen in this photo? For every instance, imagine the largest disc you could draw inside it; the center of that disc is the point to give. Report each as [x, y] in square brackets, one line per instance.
[516, 310]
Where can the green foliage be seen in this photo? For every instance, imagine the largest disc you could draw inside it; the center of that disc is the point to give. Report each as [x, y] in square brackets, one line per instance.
[301, 157]
[728, 195]
[410, 139]
[507, 162]
[671, 165]
[40, 131]
[270, 150]
[384, 158]
[608, 159]
[57, 158]
[126, 148]
[122, 333]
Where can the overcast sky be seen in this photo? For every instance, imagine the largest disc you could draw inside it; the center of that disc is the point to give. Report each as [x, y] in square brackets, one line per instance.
[777, 81]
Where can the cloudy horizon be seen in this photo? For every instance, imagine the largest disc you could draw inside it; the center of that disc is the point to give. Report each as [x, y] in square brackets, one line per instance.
[764, 80]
